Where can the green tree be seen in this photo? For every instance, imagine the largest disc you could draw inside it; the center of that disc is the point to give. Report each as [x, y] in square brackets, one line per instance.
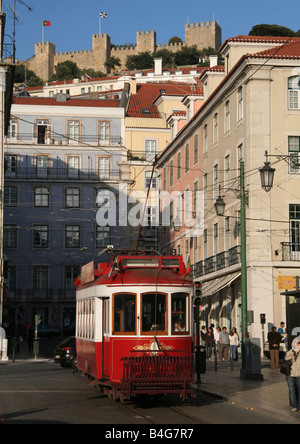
[23, 75]
[141, 61]
[189, 55]
[65, 71]
[271, 30]
[175, 39]
[112, 62]
[92, 73]
[166, 55]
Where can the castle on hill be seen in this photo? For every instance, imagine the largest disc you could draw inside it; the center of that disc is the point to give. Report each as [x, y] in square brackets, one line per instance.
[203, 35]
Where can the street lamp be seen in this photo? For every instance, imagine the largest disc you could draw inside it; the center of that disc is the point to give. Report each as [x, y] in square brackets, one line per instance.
[267, 175]
[220, 206]
[177, 224]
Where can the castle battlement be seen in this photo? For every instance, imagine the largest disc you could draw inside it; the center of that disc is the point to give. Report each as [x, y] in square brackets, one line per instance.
[99, 36]
[178, 46]
[123, 48]
[145, 32]
[43, 44]
[72, 53]
[203, 35]
[197, 25]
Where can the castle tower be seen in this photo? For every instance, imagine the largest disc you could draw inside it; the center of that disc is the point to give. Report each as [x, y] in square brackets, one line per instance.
[43, 61]
[146, 41]
[203, 35]
[101, 51]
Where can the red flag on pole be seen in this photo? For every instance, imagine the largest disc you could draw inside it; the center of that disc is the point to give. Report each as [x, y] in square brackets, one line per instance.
[46, 23]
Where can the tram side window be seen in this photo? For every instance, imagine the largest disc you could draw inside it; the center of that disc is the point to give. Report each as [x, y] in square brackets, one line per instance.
[124, 313]
[154, 313]
[179, 313]
[86, 319]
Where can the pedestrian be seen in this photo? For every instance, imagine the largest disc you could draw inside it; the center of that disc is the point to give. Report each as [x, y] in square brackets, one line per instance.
[209, 340]
[217, 339]
[225, 343]
[274, 339]
[237, 341]
[294, 379]
[203, 333]
[282, 331]
[234, 342]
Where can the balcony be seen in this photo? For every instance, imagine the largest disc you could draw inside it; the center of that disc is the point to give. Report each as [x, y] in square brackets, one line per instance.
[290, 251]
[59, 140]
[65, 173]
[218, 262]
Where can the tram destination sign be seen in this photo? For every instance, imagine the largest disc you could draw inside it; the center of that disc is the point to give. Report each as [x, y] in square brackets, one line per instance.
[88, 273]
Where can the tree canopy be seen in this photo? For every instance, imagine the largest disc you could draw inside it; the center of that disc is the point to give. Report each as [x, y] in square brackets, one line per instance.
[69, 70]
[23, 75]
[175, 39]
[272, 30]
[188, 55]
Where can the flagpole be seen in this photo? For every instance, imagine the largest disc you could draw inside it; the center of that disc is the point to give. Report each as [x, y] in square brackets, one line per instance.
[43, 32]
[99, 23]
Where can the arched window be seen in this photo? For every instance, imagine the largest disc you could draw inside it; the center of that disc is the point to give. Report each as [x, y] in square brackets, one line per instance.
[294, 92]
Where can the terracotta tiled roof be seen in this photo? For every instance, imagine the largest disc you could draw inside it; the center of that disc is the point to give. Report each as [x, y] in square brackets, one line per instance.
[82, 80]
[289, 50]
[184, 69]
[256, 39]
[179, 113]
[69, 102]
[142, 103]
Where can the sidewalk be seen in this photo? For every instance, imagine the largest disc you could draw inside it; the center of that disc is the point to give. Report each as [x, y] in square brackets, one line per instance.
[270, 395]
[24, 355]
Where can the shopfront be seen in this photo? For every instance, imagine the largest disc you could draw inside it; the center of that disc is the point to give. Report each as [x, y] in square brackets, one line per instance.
[221, 299]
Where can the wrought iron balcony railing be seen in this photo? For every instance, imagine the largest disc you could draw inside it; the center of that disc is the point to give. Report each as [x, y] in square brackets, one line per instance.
[218, 262]
[291, 251]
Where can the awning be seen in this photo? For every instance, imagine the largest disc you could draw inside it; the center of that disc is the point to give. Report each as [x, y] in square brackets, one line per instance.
[212, 287]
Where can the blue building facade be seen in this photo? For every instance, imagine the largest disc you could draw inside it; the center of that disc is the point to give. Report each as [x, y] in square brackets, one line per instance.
[59, 153]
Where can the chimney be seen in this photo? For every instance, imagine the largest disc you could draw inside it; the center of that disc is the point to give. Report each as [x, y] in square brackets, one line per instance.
[133, 87]
[213, 61]
[62, 97]
[158, 67]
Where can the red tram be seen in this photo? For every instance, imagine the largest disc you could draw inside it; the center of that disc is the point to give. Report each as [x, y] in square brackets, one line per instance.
[134, 326]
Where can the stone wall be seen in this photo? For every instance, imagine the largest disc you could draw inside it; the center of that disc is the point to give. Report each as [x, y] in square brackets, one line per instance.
[45, 58]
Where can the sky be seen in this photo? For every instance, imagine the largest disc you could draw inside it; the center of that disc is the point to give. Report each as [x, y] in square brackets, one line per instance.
[73, 22]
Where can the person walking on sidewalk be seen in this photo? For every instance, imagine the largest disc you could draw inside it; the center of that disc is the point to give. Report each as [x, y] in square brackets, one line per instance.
[234, 342]
[209, 340]
[224, 341]
[274, 339]
[294, 379]
[217, 340]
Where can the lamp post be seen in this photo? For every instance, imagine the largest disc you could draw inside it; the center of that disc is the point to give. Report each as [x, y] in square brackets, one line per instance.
[244, 294]
[220, 209]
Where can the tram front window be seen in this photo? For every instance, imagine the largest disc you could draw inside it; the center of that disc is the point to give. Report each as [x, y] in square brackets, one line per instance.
[154, 313]
[124, 313]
